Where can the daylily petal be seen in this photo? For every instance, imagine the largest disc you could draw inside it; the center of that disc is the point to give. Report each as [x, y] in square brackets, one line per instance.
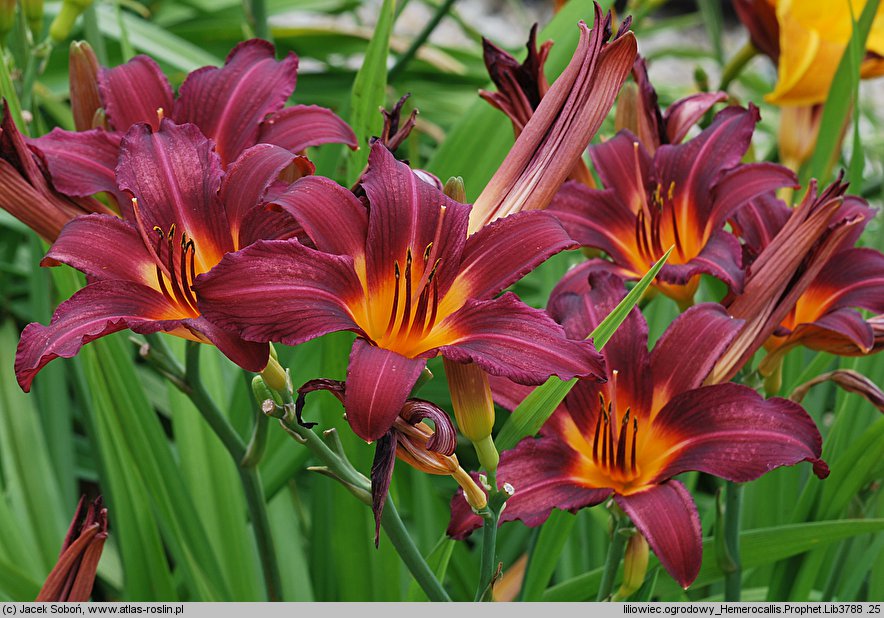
[135, 92]
[667, 517]
[507, 249]
[82, 163]
[686, 352]
[759, 221]
[540, 472]
[261, 224]
[408, 214]
[378, 383]
[626, 352]
[720, 257]
[279, 290]
[508, 338]
[246, 182]
[730, 431]
[334, 219]
[695, 166]
[745, 182]
[301, 126]
[685, 113]
[598, 219]
[851, 278]
[103, 247]
[624, 164]
[175, 176]
[842, 331]
[520, 86]
[97, 310]
[508, 394]
[229, 103]
[248, 355]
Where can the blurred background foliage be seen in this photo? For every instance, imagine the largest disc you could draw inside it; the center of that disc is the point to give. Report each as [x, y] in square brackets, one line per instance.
[105, 423]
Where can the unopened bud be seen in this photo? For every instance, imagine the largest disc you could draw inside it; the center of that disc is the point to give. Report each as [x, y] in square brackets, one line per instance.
[34, 15]
[473, 409]
[263, 395]
[454, 189]
[275, 376]
[85, 98]
[63, 24]
[635, 565]
[7, 18]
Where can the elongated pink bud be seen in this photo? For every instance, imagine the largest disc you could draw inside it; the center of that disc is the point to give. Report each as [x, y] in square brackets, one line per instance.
[562, 125]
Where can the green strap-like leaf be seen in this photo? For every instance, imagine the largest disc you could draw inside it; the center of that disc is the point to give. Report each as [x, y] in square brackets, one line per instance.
[757, 548]
[369, 90]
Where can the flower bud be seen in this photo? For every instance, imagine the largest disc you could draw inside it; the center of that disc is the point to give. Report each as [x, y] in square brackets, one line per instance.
[61, 26]
[799, 128]
[85, 98]
[7, 18]
[635, 565]
[454, 189]
[473, 408]
[275, 376]
[34, 15]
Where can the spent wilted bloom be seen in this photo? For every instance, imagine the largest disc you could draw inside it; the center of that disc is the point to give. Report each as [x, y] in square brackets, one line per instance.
[27, 195]
[826, 316]
[652, 420]
[560, 129]
[73, 576]
[425, 448]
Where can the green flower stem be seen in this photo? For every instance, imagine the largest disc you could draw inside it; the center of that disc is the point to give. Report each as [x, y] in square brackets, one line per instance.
[256, 15]
[736, 65]
[488, 562]
[419, 40]
[251, 482]
[340, 468]
[733, 495]
[258, 444]
[612, 562]
[411, 556]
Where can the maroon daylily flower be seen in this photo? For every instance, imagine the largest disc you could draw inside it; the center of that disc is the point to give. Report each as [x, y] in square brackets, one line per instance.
[650, 422]
[638, 111]
[237, 106]
[404, 276]
[26, 194]
[681, 197]
[187, 214]
[72, 577]
[824, 317]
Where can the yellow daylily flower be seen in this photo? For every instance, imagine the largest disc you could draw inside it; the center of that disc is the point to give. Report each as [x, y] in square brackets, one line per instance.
[813, 36]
